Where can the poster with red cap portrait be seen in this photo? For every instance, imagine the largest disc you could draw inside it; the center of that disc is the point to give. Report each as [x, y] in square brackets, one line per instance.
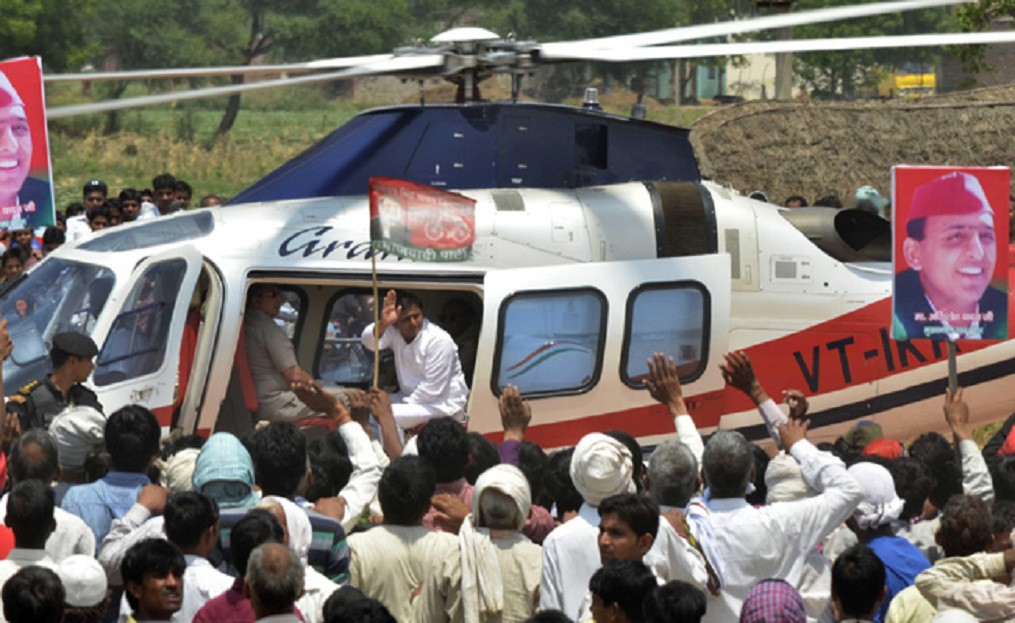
[26, 183]
[950, 228]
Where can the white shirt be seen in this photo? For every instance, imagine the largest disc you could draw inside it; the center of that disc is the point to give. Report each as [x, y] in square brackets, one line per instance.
[77, 228]
[72, 534]
[671, 557]
[201, 583]
[428, 369]
[773, 541]
[316, 590]
[388, 562]
[17, 560]
[570, 557]
[366, 474]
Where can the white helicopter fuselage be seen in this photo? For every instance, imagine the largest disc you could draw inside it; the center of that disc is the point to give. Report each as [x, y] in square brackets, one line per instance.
[576, 291]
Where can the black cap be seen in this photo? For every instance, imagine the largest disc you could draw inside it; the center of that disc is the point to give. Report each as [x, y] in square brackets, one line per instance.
[75, 344]
[96, 185]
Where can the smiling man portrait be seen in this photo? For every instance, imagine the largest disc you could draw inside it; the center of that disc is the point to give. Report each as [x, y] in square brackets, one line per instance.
[951, 251]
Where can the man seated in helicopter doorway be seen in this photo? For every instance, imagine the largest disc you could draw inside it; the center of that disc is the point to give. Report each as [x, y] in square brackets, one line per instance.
[272, 358]
[430, 379]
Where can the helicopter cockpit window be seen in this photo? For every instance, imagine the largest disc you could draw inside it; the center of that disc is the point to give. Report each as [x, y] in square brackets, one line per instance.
[136, 344]
[344, 359]
[57, 296]
[154, 233]
[670, 318]
[551, 343]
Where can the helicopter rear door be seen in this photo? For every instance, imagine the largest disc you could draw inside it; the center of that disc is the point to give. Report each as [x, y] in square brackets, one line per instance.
[139, 360]
[574, 339]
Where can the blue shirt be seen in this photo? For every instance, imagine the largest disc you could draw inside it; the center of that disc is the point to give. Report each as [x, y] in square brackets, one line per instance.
[102, 501]
[903, 561]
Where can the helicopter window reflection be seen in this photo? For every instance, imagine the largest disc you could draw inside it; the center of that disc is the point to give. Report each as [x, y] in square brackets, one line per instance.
[551, 343]
[57, 296]
[344, 359]
[668, 318]
[136, 345]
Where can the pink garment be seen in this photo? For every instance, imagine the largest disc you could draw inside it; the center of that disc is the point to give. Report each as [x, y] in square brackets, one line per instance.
[231, 606]
[463, 490]
[538, 525]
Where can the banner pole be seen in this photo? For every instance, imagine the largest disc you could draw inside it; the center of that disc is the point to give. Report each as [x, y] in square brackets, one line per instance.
[953, 373]
[377, 314]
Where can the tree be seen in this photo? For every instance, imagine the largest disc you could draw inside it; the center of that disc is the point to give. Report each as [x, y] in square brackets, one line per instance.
[846, 73]
[52, 29]
[976, 17]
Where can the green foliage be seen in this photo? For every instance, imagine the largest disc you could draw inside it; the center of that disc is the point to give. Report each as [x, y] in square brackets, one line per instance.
[975, 17]
[847, 73]
[342, 28]
[53, 29]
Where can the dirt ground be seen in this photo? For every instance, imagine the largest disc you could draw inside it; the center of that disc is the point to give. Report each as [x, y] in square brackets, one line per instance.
[820, 148]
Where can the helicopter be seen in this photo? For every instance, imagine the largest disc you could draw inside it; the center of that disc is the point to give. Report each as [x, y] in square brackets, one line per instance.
[597, 243]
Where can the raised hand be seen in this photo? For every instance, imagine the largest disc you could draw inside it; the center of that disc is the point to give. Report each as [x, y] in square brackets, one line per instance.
[664, 384]
[797, 403]
[957, 414]
[738, 372]
[515, 413]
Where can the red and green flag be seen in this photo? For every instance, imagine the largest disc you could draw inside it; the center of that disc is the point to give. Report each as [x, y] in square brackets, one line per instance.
[419, 222]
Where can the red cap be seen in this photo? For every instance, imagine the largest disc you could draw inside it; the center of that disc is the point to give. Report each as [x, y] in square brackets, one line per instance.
[8, 94]
[955, 193]
[885, 448]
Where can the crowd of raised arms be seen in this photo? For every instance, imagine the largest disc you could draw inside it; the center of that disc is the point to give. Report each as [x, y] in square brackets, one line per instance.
[369, 506]
[107, 521]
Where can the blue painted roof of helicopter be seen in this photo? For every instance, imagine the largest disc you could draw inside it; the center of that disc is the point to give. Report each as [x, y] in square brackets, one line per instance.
[482, 145]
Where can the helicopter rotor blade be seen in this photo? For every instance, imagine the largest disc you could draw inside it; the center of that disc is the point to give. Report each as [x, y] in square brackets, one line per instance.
[401, 64]
[794, 45]
[202, 72]
[573, 49]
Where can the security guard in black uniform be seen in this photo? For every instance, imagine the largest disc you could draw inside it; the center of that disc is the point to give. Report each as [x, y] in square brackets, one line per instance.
[38, 402]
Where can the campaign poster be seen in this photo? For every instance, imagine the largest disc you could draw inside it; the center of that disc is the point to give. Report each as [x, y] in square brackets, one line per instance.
[950, 257]
[26, 182]
[421, 223]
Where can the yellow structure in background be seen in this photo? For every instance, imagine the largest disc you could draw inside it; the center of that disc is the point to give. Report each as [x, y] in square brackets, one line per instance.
[910, 80]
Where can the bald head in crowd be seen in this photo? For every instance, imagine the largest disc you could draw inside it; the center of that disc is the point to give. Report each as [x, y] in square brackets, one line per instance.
[274, 580]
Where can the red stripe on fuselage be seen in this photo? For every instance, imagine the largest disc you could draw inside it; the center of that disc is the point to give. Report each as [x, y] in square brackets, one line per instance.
[851, 349]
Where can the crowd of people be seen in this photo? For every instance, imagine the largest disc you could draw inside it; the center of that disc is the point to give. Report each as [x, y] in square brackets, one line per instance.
[97, 210]
[106, 521]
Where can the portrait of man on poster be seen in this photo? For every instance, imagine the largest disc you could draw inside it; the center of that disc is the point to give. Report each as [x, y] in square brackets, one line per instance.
[950, 250]
[23, 199]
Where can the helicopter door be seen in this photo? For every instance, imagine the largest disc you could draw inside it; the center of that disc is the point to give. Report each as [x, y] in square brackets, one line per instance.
[574, 339]
[139, 359]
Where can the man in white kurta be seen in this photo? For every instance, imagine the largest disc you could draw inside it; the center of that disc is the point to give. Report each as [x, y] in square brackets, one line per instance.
[388, 562]
[430, 379]
[755, 544]
[601, 467]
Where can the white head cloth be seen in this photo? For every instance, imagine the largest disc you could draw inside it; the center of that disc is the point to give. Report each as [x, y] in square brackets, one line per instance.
[482, 583]
[77, 432]
[954, 616]
[785, 481]
[880, 504]
[601, 467]
[297, 524]
[177, 472]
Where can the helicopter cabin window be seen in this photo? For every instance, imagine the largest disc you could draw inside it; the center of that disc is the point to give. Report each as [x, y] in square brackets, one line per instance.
[344, 359]
[58, 295]
[670, 318]
[551, 343]
[136, 344]
[590, 146]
